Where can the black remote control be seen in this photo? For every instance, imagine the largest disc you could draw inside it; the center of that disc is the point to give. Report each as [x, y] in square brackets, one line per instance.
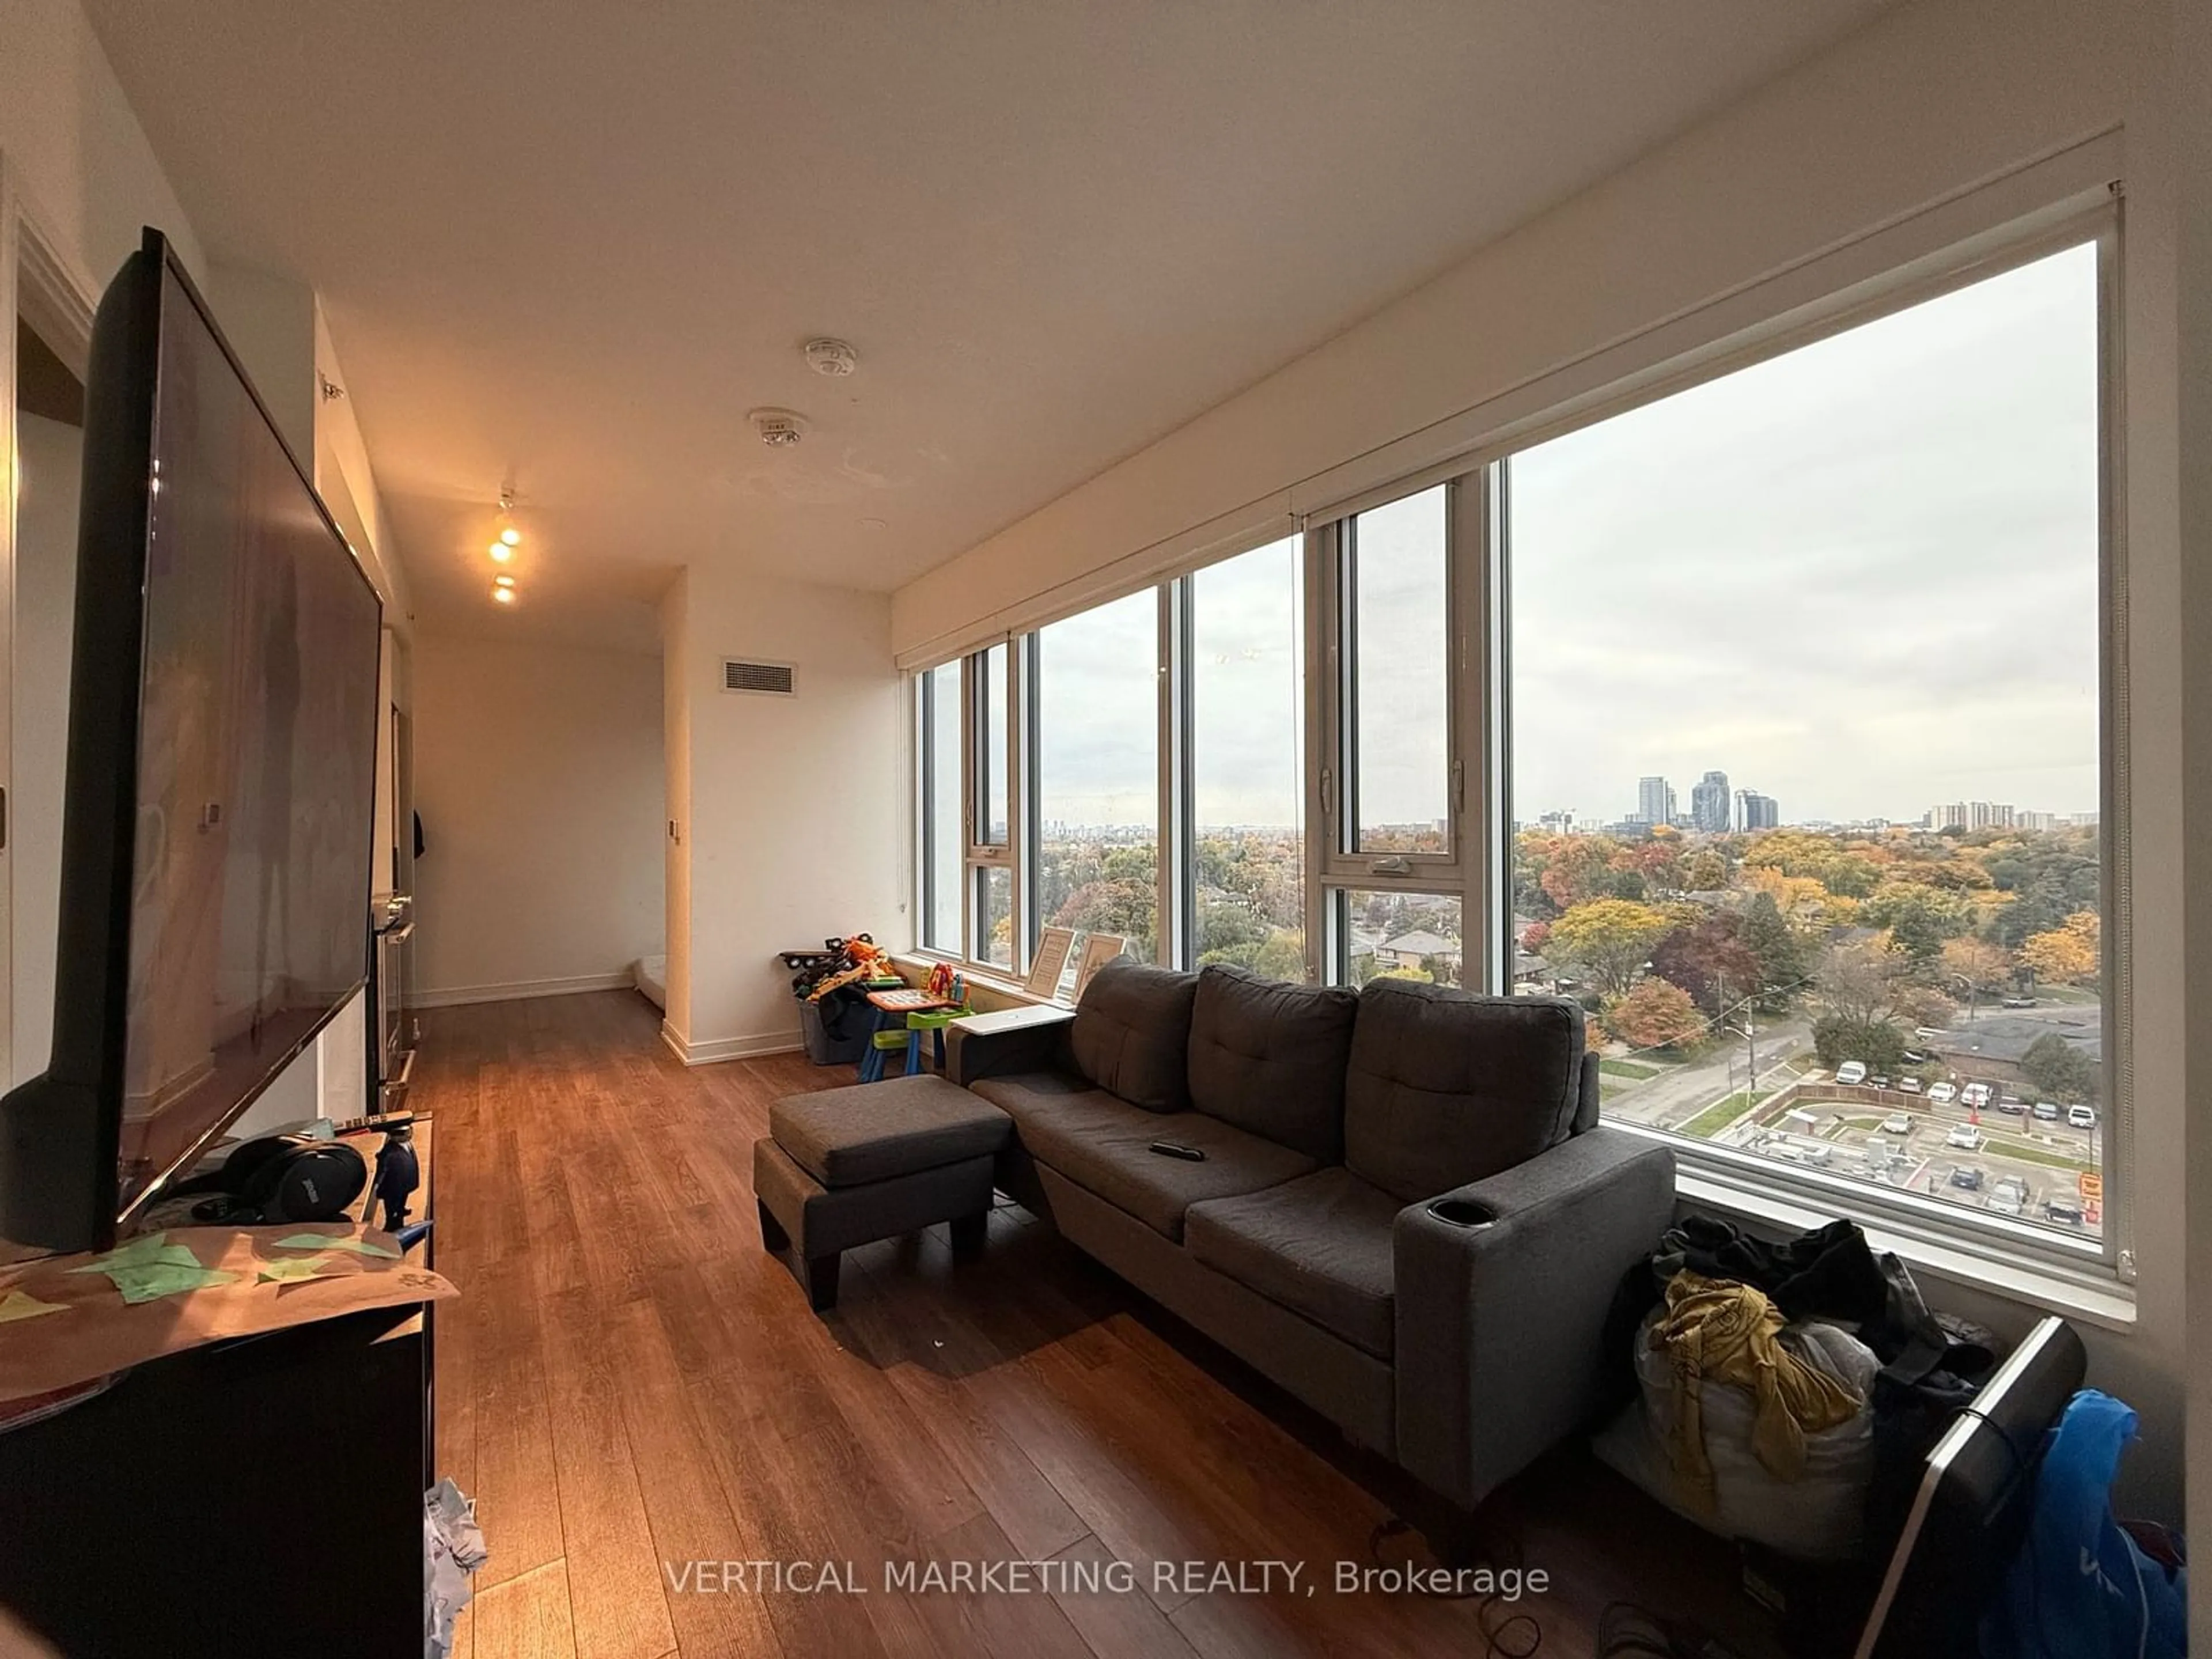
[1188, 1154]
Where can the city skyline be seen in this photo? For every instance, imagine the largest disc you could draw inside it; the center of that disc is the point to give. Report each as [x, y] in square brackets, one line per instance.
[1864, 572]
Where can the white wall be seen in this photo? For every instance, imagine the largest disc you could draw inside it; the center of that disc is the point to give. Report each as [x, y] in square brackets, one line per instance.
[538, 775]
[1929, 105]
[787, 810]
[50, 455]
[74, 145]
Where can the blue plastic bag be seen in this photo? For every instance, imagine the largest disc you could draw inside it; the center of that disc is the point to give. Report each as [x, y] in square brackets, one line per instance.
[2081, 1589]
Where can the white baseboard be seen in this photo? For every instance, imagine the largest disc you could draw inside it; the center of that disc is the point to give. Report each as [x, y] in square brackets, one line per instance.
[717, 1049]
[453, 996]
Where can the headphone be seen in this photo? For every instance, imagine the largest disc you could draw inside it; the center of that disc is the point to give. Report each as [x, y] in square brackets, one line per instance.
[281, 1178]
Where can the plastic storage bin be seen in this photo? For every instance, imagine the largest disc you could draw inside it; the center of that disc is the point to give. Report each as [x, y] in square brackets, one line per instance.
[821, 1048]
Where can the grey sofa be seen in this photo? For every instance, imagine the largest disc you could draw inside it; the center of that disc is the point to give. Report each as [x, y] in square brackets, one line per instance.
[1407, 1214]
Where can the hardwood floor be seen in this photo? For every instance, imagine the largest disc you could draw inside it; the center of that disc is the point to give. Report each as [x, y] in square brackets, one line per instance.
[630, 1384]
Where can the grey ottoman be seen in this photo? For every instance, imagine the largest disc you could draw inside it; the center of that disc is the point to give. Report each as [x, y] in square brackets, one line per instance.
[843, 1167]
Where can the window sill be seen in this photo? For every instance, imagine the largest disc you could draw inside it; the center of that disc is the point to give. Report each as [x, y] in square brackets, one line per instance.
[995, 993]
[2088, 1294]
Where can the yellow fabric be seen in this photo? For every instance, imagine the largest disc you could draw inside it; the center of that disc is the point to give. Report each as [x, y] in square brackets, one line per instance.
[1718, 1331]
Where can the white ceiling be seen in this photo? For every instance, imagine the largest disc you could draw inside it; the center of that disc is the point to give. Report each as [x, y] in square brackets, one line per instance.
[573, 244]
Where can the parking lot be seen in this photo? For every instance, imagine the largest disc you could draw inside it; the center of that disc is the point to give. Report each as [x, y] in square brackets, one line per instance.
[2012, 1163]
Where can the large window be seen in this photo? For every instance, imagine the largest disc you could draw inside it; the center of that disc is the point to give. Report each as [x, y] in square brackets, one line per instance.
[1839, 612]
[1097, 748]
[1764, 718]
[1248, 889]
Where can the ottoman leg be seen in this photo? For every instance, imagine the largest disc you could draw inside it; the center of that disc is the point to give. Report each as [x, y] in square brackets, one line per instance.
[969, 1233]
[821, 1281]
[773, 1237]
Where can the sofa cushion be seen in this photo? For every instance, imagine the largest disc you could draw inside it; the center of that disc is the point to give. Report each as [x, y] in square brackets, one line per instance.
[1319, 1246]
[1103, 1145]
[1445, 1087]
[1131, 1034]
[873, 1131]
[1270, 1057]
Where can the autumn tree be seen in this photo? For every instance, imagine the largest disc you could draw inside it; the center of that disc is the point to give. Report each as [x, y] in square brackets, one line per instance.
[1785, 958]
[1654, 1013]
[2058, 1070]
[1704, 872]
[2068, 953]
[1710, 959]
[1919, 918]
[1608, 939]
[1977, 961]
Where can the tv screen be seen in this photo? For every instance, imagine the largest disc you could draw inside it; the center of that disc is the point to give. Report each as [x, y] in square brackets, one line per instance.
[218, 822]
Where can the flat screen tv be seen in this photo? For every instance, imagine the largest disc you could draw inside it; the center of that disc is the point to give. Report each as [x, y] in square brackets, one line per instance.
[217, 820]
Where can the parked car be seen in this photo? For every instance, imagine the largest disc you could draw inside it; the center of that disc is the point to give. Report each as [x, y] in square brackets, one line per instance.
[1963, 1136]
[2047, 1110]
[1897, 1123]
[1942, 1093]
[1910, 1085]
[2019, 1002]
[1918, 1057]
[2012, 1105]
[1975, 1095]
[1851, 1072]
[1967, 1177]
[1927, 1033]
[2081, 1117]
[1879, 1080]
[2009, 1196]
[2066, 1212]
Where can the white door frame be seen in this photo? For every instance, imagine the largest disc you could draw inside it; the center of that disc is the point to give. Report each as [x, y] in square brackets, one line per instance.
[42, 285]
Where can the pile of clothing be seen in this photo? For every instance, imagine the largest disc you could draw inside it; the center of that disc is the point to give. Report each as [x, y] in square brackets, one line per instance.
[1783, 1393]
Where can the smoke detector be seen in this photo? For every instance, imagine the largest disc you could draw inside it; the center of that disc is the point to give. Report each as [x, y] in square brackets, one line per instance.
[831, 357]
[779, 428]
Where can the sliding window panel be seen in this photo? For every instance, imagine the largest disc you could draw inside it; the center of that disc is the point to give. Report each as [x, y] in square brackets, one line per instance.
[1096, 788]
[1389, 933]
[1398, 678]
[1247, 861]
[943, 825]
[1807, 761]
[990, 676]
[994, 916]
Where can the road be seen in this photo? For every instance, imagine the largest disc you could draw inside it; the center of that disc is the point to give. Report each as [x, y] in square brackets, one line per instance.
[1672, 1099]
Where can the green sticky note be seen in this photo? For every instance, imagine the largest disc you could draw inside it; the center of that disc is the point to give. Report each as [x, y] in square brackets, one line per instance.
[149, 1281]
[321, 1242]
[296, 1267]
[17, 1304]
[153, 1248]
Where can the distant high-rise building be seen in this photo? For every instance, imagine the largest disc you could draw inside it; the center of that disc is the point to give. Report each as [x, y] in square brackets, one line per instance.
[1756, 812]
[1655, 800]
[1709, 804]
[1973, 815]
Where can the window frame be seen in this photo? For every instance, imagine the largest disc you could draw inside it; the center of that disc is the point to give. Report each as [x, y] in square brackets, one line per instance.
[1476, 866]
[2112, 1254]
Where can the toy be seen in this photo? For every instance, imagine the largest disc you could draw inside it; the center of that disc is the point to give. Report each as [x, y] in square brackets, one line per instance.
[864, 959]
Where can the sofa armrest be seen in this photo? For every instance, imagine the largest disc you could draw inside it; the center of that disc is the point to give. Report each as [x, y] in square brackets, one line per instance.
[1005, 1044]
[1500, 1326]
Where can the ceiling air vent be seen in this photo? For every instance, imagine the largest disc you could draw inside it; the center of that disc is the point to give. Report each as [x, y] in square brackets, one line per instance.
[772, 679]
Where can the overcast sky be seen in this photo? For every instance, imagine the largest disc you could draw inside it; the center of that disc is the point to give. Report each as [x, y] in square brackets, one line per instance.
[1861, 578]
